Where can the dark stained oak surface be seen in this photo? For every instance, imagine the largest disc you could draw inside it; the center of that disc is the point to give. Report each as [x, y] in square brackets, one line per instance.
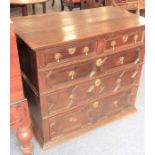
[43, 31]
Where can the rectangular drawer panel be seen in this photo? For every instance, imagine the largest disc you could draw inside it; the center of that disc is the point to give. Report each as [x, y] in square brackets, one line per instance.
[124, 39]
[76, 95]
[59, 55]
[89, 114]
[132, 56]
[54, 78]
[132, 5]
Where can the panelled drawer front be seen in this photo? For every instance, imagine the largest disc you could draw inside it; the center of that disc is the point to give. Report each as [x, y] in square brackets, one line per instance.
[132, 5]
[59, 76]
[58, 55]
[89, 114]
[56, 77]
[80, 94]
[130, 38]
[132, 56]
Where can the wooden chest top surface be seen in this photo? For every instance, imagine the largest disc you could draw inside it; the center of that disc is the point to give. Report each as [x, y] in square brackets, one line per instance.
[43, 31]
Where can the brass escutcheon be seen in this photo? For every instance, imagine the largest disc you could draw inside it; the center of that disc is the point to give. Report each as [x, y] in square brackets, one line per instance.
[71, 96]
[97, 82]
[72, 74]
[86, 50]
[121, 60]
[99, 62]
[125, 38]
[96, 104]
[135, 38]
[72, 50]
[57, 56]
[72, 119]
[113, 44]
[115, 103]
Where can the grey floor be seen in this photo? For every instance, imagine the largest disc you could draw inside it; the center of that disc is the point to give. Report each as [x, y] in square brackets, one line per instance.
[125, 136]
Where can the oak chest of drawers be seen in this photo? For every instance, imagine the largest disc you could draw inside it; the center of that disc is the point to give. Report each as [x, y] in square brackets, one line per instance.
[80, 69]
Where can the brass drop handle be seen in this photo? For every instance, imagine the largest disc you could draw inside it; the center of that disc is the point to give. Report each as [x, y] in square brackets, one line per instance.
[95, 104]
[121, 60]
[71, 96]
[72, 74]
[86, 50]
[135, 38]
[100, 61]
[72, 50]
[125, 38]
[113, 44]
[72, 119]
[57, 57]
[97, 82]
[115, 103]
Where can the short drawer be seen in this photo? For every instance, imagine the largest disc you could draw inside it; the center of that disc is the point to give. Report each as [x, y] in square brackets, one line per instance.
[84, 92]
[90, 114]
[124, 39]
[59, 55]
[53, 78]
[132, 5]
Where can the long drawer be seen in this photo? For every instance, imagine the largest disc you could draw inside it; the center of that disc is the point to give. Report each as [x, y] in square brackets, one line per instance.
[58, 77]
[66, 123]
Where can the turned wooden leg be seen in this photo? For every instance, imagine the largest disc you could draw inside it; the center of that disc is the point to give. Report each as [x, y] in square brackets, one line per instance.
[71, 6]
[24, 10]
[44, 7]
[24, 135]
[33, 8]
[62, 5]
[53, 2]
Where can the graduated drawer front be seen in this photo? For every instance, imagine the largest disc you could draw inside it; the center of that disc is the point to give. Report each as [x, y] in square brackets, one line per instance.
[49, 57]
[124, 39]
[131, 5]
[128, 4]
[90, 114]
[54, 78]
[82, 93]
